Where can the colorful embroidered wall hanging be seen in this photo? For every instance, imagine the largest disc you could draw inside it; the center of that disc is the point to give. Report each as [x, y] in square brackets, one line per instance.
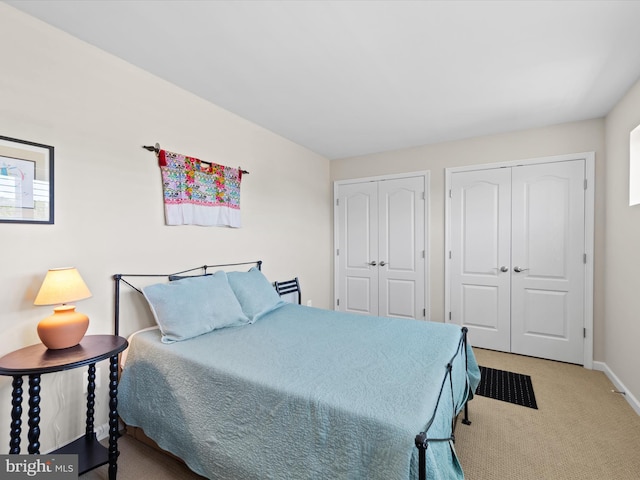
[199, 193]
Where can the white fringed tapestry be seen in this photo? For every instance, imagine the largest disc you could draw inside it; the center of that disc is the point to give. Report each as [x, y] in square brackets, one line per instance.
[199, 193]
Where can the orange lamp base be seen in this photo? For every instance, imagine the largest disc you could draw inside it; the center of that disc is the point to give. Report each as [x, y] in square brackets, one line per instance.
[64, 329]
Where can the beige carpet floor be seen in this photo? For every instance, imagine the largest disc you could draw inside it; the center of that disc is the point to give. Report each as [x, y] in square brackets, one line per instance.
[581, 430]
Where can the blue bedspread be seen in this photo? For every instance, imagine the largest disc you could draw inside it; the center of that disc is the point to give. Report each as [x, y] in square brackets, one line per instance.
[303, 393]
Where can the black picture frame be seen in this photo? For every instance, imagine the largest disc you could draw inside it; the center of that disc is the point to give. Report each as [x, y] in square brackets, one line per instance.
[26, 182]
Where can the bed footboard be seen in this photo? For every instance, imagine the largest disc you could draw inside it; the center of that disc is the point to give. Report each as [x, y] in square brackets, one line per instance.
[422, 440]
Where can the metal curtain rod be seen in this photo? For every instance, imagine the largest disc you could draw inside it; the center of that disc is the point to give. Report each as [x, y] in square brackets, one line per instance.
[156, 148]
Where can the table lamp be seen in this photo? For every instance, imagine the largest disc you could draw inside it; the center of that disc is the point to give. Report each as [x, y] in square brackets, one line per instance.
[66, 327]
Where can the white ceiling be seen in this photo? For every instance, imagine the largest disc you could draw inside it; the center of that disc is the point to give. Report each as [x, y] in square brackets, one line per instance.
[347, 78]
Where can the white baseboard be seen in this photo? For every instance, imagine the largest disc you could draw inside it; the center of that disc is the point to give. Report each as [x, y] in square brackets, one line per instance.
[102, 431]
[633, 401]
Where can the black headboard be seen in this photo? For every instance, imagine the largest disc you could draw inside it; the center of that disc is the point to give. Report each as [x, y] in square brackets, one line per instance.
[201, 270]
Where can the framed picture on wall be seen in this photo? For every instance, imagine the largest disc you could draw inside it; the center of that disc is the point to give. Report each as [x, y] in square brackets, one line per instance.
[26, 181]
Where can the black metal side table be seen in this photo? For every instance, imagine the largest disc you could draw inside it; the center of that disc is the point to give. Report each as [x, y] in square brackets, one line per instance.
[37, 360]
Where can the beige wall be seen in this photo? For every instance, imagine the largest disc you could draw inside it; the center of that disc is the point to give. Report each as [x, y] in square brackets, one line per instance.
[97, 111]
[568, 138]
[622, 254]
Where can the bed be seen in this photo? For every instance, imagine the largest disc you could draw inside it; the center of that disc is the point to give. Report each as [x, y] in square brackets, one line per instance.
[295, 392]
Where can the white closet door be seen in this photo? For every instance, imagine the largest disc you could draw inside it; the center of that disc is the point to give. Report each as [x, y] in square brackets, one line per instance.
[401, 262]
[381, 247]
[548, 274]
[358, 248]
[481, 255]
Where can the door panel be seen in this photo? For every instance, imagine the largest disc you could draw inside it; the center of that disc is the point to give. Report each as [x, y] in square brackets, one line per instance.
[358, 295]
[401, 298]
[544, 313]
[480, 248]
[358, 217]
[480, 306]
[548, 245]
[401, 247]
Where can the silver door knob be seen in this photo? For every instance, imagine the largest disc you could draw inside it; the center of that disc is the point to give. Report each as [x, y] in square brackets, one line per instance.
[504, 269]
[383, 263]
[519, 269]
[373, 264]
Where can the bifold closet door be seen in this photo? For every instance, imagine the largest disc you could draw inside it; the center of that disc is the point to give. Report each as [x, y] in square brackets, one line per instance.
[381, 247]
[517, 261]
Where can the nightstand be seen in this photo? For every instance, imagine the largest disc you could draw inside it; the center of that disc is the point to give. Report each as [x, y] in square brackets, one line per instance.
[37, 360]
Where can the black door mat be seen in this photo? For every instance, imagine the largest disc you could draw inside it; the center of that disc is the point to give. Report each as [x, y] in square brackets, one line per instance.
[507, 387]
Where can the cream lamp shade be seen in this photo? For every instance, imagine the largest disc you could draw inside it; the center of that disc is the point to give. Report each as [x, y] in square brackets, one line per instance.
[66, 327]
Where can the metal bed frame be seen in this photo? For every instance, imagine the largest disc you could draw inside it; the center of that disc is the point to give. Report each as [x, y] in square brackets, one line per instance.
[422, 439]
